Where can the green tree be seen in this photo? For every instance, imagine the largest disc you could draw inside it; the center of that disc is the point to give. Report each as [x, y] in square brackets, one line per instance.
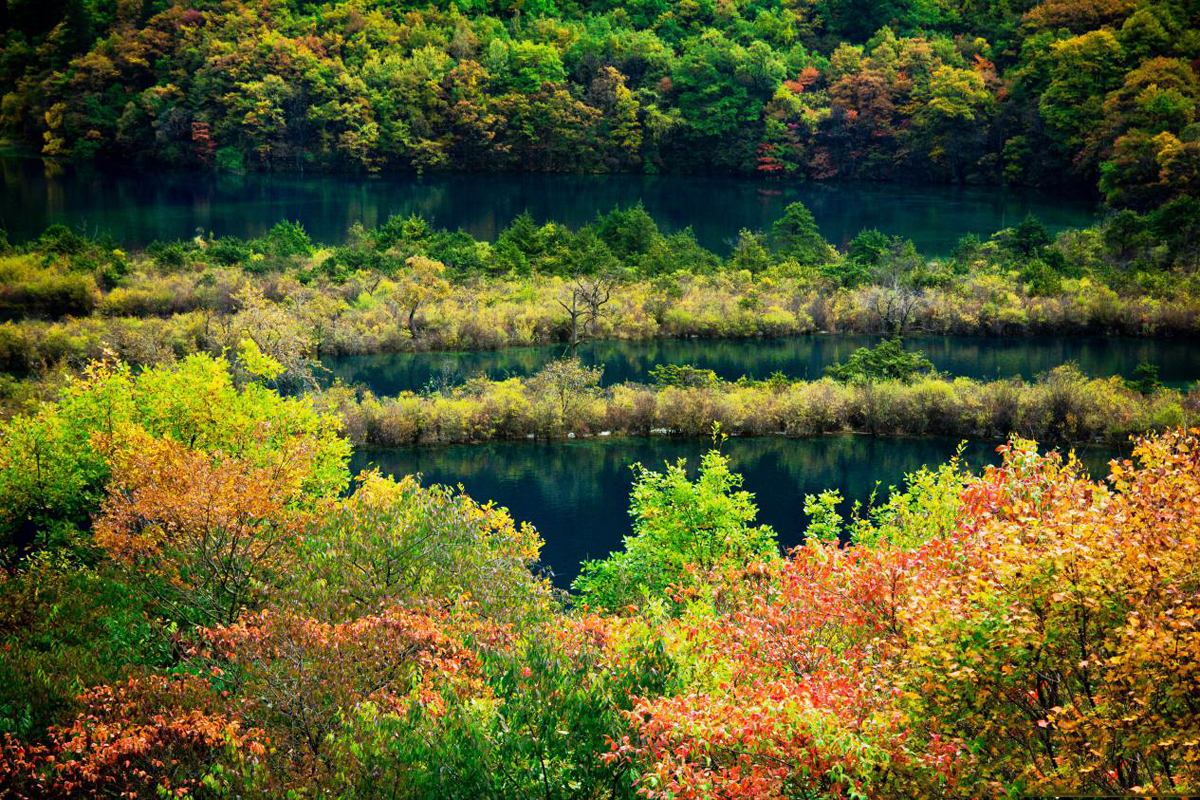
[797, 236]
[887, 360]
[1083, 70]
[1145, 379]
[678, 523]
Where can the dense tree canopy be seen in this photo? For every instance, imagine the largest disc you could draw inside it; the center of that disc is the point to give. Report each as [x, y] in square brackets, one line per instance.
[914, 89]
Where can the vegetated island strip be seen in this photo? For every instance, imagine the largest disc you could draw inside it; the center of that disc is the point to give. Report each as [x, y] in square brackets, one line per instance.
[406, 286]
[564, 400]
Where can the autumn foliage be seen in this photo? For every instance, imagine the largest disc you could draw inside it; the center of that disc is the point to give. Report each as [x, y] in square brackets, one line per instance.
[1026, 629]
[210, 533]
[1058, 641]
[1048, 643]
[147, 735]
[298, 677]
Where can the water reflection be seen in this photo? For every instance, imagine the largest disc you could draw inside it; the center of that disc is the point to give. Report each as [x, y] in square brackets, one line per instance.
[577, 492]
[798, 357]
[137, 207]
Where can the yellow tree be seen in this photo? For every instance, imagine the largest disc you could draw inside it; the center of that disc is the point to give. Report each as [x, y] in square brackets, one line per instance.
[205, 534]
[423, 281]
[1058, 641]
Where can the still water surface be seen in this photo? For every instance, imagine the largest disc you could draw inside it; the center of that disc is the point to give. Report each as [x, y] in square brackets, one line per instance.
[576, 493]
[797, 357]
[139, 206]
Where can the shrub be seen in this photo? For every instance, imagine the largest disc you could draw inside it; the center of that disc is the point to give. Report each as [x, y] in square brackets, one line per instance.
[400, 543]
[52, 474]
[64, 625]
[285, 240]
[678, 525]
[887, 360]
[146, 736]
[1026, 652]
[169, 256]
[683, 375]
[228, 251]
[205, 535]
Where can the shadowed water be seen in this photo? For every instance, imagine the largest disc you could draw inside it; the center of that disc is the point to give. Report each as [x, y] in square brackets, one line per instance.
[797, 357]
[139, 206]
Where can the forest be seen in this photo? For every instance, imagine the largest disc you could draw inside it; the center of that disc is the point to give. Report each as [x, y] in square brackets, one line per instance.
[811, 515]
[1096, 94]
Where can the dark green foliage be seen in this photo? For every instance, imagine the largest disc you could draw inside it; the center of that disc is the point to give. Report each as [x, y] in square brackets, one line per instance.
[61, 240]
[555, 711]
[966, 250]
[682, 375]
[750, 253]
[230, 159]
[1029, 238]
[868, 248]
[887, 360]
[797, 236]
[285, 240]
[65, 626]
[169, 256]
[1176, 225]
[1040, 279]
[1145, 379]
[628, 232]
[1085, 95]
[228, 251]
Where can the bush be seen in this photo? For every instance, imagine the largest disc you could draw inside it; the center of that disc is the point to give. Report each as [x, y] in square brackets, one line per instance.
[887, 360]
[683, 375]
[400, 543]
[49, 295]
[285, 240]
[678, 525]
[53, 472]
[228, 251]
[169, 256]
[64, 625]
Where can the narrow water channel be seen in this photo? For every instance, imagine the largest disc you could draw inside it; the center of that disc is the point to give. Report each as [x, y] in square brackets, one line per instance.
[576, 493]
[1178, 360]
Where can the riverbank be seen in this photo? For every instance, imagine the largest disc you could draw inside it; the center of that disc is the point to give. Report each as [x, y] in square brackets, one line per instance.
[1062, 407]
[498, 315]
[406, 287]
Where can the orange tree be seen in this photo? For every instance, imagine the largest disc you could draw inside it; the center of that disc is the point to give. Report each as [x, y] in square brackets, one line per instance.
[206, 534]
[147, 736]
[1041, 637]
[789, 685]
[1057, 641]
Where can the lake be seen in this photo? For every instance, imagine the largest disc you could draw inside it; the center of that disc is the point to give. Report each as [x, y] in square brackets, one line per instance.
[797, 357]
[576, 493]
[139, 206]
